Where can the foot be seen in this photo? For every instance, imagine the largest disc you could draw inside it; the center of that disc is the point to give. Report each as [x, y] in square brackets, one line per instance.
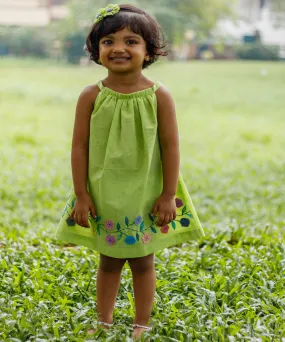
[138, 331]
[101, 326]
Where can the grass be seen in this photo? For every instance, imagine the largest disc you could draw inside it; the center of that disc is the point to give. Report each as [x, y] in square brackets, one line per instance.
[230, 286]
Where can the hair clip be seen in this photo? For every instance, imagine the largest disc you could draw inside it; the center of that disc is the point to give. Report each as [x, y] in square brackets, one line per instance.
[105, 12]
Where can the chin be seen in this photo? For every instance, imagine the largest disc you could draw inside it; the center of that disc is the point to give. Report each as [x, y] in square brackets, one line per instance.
[120, 68]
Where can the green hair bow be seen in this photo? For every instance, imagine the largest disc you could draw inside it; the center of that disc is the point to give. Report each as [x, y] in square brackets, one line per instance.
[104, 12]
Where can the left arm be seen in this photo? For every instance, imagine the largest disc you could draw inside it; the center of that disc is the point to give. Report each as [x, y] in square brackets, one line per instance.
[169, 142]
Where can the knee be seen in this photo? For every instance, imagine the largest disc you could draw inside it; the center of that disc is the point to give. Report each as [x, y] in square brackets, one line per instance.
[108, 264]
[142, 265]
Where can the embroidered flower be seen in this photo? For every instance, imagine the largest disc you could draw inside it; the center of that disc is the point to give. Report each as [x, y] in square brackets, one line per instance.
[146, 238]
[70, 222]
[178, 202]
[164, 229]
[111, 240]
[130, 240]
[185, 222]
[109, 224]
[138, 220]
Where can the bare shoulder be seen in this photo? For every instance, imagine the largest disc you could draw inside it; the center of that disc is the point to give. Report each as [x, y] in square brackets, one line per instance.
[166, 116]
[163, 95]
[90, 93]
[164, 99]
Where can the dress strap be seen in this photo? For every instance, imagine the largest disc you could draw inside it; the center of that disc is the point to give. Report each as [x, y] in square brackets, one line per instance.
[156, 86]
[100, 85]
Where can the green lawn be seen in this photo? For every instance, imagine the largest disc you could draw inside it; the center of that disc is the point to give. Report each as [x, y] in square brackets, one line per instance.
[230, 286]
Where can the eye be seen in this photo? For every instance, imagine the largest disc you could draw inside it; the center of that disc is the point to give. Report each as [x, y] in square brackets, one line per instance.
[131, 42]
[107, 42]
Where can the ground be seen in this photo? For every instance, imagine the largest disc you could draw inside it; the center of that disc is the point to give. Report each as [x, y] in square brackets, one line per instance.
[229, 286]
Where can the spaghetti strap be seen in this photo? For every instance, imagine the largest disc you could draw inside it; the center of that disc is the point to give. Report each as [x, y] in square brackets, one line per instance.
[156, 86]
[100, 85]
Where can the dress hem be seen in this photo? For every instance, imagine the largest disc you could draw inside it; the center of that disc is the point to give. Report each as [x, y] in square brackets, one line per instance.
[139, 252]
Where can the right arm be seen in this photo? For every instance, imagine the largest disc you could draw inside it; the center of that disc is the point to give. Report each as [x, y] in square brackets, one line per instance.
[79, 155]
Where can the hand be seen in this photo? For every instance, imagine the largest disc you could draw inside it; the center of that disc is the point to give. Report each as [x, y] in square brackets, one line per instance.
[165, 206]
[83, 205]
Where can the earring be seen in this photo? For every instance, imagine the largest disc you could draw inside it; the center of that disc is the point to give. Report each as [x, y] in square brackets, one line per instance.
[147, 58]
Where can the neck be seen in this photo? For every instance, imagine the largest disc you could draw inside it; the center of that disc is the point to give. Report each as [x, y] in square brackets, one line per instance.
[125, 80]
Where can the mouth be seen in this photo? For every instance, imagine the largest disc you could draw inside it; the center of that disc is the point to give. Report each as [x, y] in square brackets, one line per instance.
[120, 59]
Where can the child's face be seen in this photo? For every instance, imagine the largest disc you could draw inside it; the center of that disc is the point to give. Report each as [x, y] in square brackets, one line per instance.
[123, 51]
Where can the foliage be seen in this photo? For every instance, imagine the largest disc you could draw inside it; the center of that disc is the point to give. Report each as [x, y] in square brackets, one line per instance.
[277, 5]
[185, 14]
[22, 41]
[74, 47]
[174, 15]
[72, 30]
[229, 286]
[257, 52]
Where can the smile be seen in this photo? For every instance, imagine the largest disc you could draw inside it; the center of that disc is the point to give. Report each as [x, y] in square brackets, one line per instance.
[120, 58]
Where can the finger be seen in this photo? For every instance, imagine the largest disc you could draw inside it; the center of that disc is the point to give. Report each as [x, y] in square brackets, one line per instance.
[174, 215]
[170, 218]
[93, 211]
[160, 219]
[72, 214]
[75, 217]
[82, 221]
[155, 210]
[85, 222]
[79, 219]
[166, 219]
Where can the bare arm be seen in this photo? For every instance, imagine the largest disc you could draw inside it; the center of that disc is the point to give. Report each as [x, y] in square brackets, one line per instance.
[169, 142]
[80, 140]
[79, 155]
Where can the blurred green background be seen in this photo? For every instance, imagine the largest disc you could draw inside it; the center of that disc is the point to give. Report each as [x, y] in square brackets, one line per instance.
[229, 286]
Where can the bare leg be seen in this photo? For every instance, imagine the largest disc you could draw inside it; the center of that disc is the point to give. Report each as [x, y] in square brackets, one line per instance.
[144, 281]
[108, 283]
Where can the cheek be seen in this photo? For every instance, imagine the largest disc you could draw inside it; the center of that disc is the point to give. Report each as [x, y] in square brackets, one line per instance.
[141, 52]
[102, 50]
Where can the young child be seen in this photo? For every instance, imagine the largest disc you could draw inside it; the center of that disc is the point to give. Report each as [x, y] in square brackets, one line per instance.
[128, 198]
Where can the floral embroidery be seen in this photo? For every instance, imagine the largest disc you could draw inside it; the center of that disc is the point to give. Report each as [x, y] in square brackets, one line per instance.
[164, 229]
[70, 222]
[184, 222]
[178, 202]
[132, 232]
[138, 220]
[146, 238]
[111, 240]
[109, 224]
[130, 240]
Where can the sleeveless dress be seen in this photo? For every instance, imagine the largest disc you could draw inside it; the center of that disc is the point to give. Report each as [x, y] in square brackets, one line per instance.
[124, 180]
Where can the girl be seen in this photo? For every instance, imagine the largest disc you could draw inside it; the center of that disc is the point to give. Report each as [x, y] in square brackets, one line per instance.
[128, 198]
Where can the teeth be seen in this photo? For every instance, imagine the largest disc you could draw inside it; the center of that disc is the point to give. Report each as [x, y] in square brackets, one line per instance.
[119, 58]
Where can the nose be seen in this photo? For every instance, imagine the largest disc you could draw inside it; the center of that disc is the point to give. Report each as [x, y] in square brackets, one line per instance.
[119, 47]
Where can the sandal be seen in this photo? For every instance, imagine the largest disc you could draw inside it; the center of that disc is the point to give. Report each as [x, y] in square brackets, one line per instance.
[109, 325]
[140, 326]
[92, 331]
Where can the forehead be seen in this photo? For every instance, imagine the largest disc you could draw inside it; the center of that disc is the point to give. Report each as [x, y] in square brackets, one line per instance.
[125, 32]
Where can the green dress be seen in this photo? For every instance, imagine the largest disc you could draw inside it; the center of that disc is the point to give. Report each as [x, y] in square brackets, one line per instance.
[124, 180]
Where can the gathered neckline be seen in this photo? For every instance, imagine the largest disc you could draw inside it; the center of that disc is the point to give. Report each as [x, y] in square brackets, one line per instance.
[139, 93]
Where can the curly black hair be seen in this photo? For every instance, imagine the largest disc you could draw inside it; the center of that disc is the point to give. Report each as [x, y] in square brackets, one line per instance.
[139, 22]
